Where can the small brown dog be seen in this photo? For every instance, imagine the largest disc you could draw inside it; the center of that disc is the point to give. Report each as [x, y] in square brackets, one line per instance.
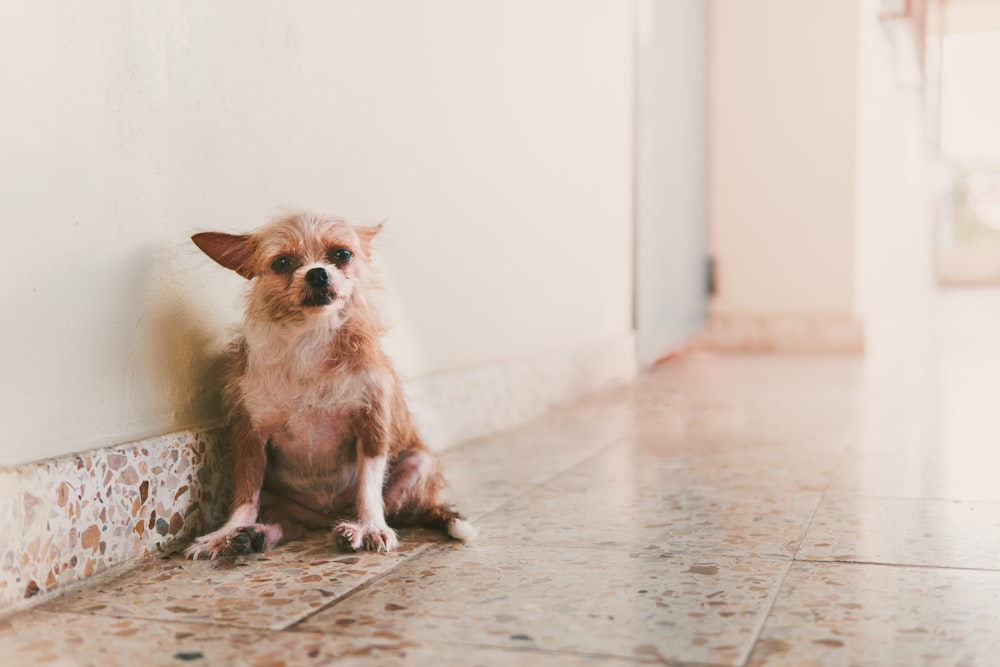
[319, 430]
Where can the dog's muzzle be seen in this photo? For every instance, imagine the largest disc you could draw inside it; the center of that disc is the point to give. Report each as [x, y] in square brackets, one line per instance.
[318, 282]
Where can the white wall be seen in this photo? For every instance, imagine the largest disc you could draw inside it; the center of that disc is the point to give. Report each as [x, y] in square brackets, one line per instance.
[495, 138]
[782, 152]
[893, 246]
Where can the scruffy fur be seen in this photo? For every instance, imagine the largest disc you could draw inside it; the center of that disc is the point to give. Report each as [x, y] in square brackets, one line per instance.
[320, 434]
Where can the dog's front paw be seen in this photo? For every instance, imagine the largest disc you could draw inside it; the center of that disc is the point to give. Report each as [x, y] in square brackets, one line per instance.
[355, 536]
[239, 541]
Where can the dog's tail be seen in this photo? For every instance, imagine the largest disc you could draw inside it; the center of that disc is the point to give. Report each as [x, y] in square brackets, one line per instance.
[448, 520]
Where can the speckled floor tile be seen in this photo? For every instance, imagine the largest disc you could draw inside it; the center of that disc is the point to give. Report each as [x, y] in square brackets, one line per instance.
[272, 590]
[79, 640]
[292, 649]
[759, 382]
[762, 375]
[878, 616]
[615, 602]
[766, 399]
[905, 532]
[718, 411]
[910, 438]
[674, 433]
[585, 510]
[484, 474]
[933, 474]
[727, 463]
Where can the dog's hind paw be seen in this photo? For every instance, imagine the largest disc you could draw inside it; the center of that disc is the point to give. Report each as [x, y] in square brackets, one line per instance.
[356, 536]
[237, 542]
[462, 530]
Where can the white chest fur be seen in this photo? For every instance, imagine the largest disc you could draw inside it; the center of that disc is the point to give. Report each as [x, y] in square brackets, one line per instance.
[292, 389]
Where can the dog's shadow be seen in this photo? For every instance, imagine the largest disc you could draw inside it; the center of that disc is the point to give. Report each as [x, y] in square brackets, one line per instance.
[180, 339]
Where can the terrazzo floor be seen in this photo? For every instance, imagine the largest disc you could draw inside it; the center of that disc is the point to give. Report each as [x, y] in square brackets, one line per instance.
[721, 510]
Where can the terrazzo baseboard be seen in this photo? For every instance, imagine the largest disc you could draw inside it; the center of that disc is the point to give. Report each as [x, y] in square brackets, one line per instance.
[750, 332]
[66, 519]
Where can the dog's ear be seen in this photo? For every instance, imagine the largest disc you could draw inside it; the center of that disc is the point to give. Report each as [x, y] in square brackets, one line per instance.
[366, 234]
[230, 250]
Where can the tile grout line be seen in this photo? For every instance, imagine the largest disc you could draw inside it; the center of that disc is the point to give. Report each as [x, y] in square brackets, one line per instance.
[833, 493]
[769, 607]
[850, 434]
[608, 444]
[203, 622]
[419, 553]
[262, 633]
[808, 523]
[759, 631]
[533, 486]
[102, 578]
[912, 566]
[437, 546]
[110, 577]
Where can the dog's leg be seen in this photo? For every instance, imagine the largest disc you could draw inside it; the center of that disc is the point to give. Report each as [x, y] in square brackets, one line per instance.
[241, 533]
[412, 496]
[370, 531]
[413, 484]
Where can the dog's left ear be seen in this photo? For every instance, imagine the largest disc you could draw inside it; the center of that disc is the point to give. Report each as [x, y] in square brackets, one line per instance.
[231, 251]
[366, 234]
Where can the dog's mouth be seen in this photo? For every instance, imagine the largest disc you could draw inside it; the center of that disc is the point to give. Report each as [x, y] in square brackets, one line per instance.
[318, 299]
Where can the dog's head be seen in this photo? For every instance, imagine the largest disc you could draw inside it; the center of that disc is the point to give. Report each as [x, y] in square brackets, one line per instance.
[302, 267]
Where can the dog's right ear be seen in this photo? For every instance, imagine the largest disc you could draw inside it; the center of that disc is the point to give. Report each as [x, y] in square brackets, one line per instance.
[366, 234]
[230, 250]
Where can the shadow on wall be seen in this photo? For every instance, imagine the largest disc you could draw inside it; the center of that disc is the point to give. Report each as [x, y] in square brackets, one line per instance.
[180, 344]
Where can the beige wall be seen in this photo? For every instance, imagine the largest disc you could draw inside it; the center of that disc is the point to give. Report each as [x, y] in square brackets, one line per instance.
[782, 107]
[963, 16]
[494, 137]
[816, 207]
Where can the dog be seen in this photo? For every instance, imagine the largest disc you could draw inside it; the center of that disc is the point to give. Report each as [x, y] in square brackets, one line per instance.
[320, 434]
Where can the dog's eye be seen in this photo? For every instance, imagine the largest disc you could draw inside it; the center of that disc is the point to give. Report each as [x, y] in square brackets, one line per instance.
[281, 264]
[340, 256]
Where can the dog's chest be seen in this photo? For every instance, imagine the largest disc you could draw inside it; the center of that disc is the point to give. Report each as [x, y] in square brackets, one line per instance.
[307, 414]
[300, 407]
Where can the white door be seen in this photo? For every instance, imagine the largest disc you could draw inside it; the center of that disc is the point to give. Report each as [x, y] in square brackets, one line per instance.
[671, 249]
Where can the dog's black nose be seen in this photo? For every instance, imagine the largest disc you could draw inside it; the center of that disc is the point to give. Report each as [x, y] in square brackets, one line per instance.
[317, 277]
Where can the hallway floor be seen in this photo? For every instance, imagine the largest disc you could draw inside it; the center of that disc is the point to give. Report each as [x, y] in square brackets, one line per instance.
[721, 510]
